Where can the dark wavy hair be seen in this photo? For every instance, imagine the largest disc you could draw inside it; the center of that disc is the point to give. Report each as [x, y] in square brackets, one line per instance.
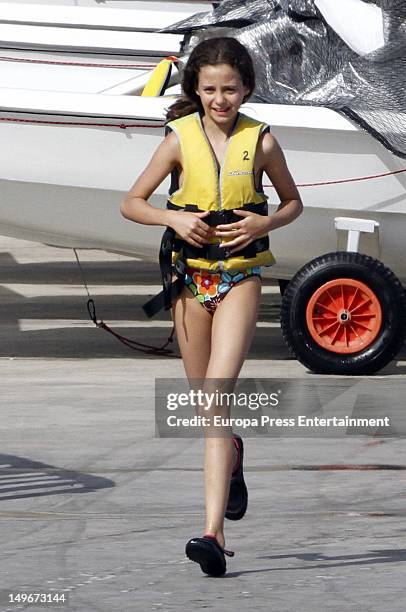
[211, 52]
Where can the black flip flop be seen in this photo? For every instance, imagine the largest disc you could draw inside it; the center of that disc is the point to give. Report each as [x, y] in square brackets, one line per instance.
[238, 496]
[209, 554]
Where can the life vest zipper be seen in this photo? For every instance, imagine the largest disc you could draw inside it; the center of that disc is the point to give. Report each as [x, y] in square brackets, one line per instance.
[219, 167]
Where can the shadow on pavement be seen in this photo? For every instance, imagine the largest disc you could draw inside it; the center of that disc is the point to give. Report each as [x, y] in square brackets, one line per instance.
[371, 557]
[51, 339]
[21, 478]
[86, 340]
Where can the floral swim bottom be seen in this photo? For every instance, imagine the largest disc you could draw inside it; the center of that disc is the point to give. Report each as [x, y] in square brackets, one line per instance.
[209, 288]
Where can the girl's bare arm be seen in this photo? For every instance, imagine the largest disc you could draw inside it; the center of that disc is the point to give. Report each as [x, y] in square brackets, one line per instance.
[135, 207]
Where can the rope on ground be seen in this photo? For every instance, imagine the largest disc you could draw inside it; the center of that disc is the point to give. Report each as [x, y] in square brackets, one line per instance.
[161, 351]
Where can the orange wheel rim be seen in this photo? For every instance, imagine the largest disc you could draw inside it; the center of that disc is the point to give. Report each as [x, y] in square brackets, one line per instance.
[344, 316]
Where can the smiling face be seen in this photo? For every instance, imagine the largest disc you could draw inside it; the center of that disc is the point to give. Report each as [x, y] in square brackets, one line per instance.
[221, 92]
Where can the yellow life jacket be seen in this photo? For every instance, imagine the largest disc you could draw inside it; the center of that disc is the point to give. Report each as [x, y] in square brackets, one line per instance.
[206, 186]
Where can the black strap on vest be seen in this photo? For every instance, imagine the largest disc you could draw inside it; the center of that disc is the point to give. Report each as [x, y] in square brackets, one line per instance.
[215, 252]
[171, 290]
[219, 217]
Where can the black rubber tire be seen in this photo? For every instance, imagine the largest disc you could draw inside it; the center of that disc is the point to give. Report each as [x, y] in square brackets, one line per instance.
[379, 279]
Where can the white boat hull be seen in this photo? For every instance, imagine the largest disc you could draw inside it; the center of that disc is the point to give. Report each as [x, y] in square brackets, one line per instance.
[68, 164]
[70, 179]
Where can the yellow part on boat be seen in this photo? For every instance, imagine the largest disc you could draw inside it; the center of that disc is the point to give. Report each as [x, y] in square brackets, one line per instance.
[159, 79]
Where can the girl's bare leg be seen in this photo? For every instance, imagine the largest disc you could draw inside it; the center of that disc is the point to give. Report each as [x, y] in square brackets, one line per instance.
[193, 330]
[213, 349]
[232, 331]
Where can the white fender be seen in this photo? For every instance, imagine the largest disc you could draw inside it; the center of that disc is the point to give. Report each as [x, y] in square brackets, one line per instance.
[360, 25]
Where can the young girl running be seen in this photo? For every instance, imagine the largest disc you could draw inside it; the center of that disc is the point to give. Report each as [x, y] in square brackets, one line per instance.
[217, 237]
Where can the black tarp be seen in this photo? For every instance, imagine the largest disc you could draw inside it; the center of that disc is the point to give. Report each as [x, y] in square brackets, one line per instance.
[300, 59]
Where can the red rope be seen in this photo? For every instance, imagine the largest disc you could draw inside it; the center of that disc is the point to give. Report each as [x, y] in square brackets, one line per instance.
[350, 180]
[124, 126]
[4, 58]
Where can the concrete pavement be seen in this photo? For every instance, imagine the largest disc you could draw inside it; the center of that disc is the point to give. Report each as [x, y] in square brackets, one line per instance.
[92, 505]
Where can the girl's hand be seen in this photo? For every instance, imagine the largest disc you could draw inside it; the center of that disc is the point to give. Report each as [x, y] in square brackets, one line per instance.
[241, 233]
[191, 227]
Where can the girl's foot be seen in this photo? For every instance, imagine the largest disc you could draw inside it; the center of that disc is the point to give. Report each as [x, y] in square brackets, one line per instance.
[218, 536]
[209, 554]
[238, 496]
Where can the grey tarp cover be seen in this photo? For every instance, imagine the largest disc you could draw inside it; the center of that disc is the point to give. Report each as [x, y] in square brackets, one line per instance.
[299, 59]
